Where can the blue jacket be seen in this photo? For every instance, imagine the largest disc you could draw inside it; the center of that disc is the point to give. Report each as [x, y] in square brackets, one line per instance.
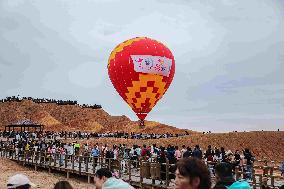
[95, 152]
[113, 183]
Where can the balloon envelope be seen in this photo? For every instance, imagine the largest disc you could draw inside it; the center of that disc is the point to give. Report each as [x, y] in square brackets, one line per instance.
[141, 70]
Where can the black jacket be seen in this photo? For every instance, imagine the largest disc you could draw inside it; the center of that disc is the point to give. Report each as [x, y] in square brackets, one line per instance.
[248, 157]
[223, 183]
[197, 153]
[187, 154]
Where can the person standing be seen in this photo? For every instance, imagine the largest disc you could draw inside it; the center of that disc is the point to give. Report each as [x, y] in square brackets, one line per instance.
[187, 153]
[183, 150]
[77, 148]
[209, 154]
[249, 160]
[61, 152]
[177, 153]
[197, 152]
[237, 158]
[223, 154]
[95, 154]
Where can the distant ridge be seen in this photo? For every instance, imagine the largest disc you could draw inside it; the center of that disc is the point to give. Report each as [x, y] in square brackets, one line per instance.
[72, 116]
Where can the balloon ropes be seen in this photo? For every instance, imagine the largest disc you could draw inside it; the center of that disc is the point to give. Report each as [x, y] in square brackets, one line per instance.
[141, 70]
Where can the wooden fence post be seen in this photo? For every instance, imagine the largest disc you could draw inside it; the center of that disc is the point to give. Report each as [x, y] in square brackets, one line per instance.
[260, 180]
[129, 170]
[32, 156]
[237, 173]
[14, 154]
[253, 177]
[66, 161]
[87, 164]
[153, 178]
[141, 178]
[109, 161]
[94, 164]
[80, 162]
[25, 157]
[72, 157]
[167, 172]
[54, 159]
[89, 179]
[18, 158]
[271, 176]
[5, 152]
[120, 166]
[50, 159]
[44, 159]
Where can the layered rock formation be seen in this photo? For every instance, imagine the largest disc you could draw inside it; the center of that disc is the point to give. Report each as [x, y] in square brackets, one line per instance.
[74, 118]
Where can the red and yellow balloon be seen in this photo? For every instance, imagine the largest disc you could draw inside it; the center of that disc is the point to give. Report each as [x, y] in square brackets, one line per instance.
[141, 70]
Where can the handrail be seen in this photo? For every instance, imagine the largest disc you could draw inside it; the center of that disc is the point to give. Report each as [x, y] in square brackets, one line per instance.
[137, 172]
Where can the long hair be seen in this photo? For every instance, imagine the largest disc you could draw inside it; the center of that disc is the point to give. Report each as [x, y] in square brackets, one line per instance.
[192, 168]
[63, 185]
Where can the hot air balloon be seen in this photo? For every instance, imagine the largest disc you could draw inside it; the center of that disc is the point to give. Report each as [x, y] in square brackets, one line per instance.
[141, 70]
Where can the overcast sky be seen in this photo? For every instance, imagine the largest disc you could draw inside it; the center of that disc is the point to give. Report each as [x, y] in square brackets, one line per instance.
[229, 56]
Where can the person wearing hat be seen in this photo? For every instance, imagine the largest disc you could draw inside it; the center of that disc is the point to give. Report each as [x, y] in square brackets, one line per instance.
[19, 181]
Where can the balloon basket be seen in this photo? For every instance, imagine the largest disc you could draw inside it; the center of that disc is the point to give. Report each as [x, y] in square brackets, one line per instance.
[141, 124]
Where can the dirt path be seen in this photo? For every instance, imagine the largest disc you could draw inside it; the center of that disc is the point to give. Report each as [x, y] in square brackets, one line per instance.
[42, 179]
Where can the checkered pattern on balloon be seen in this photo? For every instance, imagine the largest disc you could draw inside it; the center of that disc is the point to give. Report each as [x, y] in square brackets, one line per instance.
[141, 70]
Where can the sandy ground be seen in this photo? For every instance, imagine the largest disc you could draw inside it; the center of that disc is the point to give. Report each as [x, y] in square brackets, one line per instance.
[42, 179]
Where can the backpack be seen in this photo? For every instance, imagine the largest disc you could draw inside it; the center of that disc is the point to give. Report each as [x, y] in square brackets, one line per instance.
[156, 151]
[239, 185]
[148, 153]
[109, 154]
[186, 154]
[197, 153]
[135, 153]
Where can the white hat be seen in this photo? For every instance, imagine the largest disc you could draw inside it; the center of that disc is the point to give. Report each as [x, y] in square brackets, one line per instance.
[18, 180]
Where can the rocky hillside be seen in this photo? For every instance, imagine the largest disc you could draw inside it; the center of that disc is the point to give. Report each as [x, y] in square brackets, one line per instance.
[74, 117]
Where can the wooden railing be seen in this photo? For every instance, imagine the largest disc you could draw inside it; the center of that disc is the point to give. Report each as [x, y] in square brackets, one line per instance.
[139, 173]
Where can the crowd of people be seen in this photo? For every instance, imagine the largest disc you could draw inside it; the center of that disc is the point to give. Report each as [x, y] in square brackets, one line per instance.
[190, 173]
[49, 142]
[85, 135]
[46, 100]
[193, 166]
